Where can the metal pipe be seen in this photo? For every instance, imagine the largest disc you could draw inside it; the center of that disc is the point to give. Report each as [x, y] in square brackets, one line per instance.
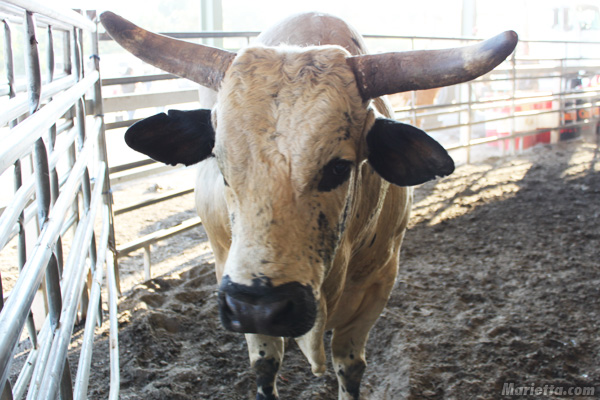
[102, 151]
[67, 65]
[58, 13]
[32, 64]
[115, 379]
[86, 189]
[147, 262]
[15, 14]
[155, 200]
[78, 70]
[8, 59]
[40, 159]
[80, 123]
[43, 197]
[54, 182]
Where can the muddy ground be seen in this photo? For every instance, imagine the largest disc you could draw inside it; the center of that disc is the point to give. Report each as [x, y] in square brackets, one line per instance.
[499, 283]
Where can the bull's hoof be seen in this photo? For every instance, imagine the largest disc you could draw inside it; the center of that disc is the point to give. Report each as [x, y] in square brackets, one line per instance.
[261, 396]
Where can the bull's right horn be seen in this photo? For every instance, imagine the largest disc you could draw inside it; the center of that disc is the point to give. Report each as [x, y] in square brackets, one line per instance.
[202, 64]
[388, 73]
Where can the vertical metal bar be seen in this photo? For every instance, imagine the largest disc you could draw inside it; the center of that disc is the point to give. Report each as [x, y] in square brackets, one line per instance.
[8, 59]
[6, 393]
[115, 380]
[18, 176]
[54, 182]
[32, 63]
[1, 293]
[513, 122]
[80, 119]
[470, 123]
[68, 57]
[147, 263]
[43, 206]
[413, 95]
[77, 53]
[34, 78]
[103, 154]
[562, 104]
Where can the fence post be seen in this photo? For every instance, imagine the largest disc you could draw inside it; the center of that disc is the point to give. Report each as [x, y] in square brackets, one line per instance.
[470, 121]
[81, 136]
[98, 111]
[513, 123]
[147, 263]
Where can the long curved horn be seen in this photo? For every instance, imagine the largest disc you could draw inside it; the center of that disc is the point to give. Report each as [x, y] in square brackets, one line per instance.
[387, 73]
[202, 64]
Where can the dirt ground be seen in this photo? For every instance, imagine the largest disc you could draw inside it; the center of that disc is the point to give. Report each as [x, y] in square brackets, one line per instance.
[499, 283]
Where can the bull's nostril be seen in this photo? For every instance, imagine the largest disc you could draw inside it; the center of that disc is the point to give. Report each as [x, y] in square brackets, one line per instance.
[230, 307]
[229, 303]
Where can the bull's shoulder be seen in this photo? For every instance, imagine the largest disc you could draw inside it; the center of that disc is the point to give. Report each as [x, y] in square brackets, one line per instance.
[381, 215]
[313, 29]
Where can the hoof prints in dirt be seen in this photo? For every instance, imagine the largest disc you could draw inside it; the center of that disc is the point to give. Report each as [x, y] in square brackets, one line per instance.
[172, 344]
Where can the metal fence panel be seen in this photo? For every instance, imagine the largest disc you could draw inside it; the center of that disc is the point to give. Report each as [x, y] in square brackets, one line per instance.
[44, 125]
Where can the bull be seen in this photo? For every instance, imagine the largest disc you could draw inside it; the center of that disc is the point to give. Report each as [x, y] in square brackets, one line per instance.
[304, 179]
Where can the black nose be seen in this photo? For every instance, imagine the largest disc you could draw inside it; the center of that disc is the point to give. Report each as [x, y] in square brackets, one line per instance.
[287, 310]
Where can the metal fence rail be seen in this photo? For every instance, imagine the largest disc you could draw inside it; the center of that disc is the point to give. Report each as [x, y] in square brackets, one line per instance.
[57, 157]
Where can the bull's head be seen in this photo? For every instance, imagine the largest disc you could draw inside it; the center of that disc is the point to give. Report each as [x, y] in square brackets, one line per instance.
[293, 132]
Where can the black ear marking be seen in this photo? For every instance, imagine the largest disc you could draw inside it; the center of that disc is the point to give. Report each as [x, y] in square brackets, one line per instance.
[405, 155]
[181, 137]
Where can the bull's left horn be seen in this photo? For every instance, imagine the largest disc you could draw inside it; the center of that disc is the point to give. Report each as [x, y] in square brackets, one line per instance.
[387, 73]
[202, 64]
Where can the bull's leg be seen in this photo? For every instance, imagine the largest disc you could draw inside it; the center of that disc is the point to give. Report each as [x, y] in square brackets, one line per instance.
[348, 342]
[312, 344]
[266, 355]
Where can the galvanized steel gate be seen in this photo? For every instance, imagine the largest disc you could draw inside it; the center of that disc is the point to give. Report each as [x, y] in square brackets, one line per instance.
[56, 152]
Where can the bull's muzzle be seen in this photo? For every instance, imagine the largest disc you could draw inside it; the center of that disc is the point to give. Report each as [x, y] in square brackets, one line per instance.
[287, 310]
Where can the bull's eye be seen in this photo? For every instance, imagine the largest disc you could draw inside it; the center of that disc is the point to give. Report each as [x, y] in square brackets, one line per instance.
[336, 172]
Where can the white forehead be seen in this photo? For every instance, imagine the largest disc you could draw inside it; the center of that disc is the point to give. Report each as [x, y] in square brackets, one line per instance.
[288, 93]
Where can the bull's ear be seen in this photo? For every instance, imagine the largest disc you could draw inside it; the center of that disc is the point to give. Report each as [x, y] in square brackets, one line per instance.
[179, 137]
[405, 155]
